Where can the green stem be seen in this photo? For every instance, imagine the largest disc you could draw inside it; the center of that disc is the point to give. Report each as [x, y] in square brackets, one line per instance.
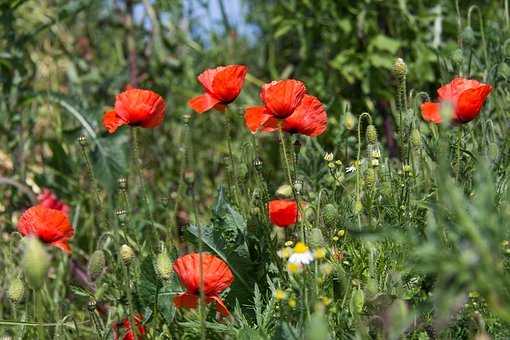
[289, 177]
[233, 170]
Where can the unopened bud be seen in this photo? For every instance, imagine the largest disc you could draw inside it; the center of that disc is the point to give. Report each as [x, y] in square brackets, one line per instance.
[35, 262]
[349, 121]
[357, 301]
[316, 239]
[96, 265]
[284, 191]
[163, 266]
[126, 254]
[400, 68]
[468, 36]
[458, 57]
[493, 151]
[415, 139]
[329, 157]
[329, 215]
[371, 134]
[257, 163]
[16, 290]
[358, 207]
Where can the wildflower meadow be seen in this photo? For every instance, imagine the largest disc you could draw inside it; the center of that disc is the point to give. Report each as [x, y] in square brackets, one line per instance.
[244, 169]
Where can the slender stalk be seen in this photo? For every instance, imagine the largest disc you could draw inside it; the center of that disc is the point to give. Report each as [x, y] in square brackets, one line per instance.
[289, 177]
[233, 170]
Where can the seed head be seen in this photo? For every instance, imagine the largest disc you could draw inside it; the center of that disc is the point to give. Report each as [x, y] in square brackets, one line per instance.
[415, 139]
[122, 181]
[83, 141]
[16, 290]
[329, 215]
[370, 177]
[257, 163]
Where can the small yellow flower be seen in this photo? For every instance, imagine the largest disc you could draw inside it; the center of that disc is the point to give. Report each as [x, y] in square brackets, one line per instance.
[285, 253]
[300, 248]
[326, 301]
[294, 267]
[341, 232]
[319, 253]
[289, 243]
[292, 303]
[280, 295]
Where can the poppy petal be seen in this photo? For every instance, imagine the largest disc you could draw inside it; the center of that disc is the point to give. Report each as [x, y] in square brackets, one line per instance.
[64, 245]
[203, 102]
[185, 300]
[308, 119]
[257, 119]
[282, 97]
[430, 112]
[206, 78]
[111, 121]
[283, 213]
[228, 82]
[220, 305]
[470, 103]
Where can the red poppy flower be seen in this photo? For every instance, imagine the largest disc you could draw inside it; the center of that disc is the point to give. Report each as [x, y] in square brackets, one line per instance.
[217, 277]
[287, 104]
[125, 327]
[49, 225]
[283, 213]
[222, 85]
[135, 107]
[466, 97]
[48, 199]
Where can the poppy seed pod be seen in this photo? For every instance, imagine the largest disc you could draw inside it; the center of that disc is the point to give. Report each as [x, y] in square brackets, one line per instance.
[96, 265]
[329, 215]
[126, 254]
[400, 68]
[35, 262]
[371, 134]
[163, 266]
[16, 290]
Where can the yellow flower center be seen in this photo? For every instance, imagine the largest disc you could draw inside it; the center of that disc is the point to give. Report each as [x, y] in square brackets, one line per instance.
[300, 248]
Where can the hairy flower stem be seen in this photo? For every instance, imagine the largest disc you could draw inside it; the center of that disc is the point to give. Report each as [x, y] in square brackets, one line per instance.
[38, 312]
[358, 162]
[201, 267]
[460, 133]
[232, 173]
[129, 294]
[95, 185]
[291, 183]
[139, 169]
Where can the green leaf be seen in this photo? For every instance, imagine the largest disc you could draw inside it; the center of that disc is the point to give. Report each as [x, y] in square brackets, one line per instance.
[385, 43]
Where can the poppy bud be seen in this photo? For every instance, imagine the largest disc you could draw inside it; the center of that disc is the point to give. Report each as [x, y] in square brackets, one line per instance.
[370, 177]
[126, 254]
[16, 290]
[493, 151]
[349, 121]
[371, 134]
[284, 191]
[329, 157]
[357, 301]
[468, 36]
[163, 266]
[96, 264]
[35, 262]
[458, 57]
[329, 215]
[415, 139]
[400, 68]
[316, 239]
[358, 206]
[298, 186]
